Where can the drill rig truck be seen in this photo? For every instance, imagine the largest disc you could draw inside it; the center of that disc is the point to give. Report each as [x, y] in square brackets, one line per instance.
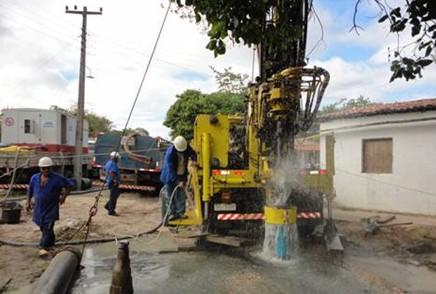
[240, 157]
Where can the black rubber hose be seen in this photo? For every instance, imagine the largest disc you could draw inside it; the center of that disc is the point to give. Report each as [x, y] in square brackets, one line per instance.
[71, 193]
[79, 242]
[93, 241]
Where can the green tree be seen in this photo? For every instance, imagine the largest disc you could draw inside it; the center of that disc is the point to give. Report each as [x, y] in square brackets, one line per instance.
[345, 104]
[417, 18]
[229, 81]
[229, 99]
[181, 115]
[141, 131]
[246, 22]
[97, 123]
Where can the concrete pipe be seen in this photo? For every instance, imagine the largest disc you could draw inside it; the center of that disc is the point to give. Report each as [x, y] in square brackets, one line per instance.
[57, 278]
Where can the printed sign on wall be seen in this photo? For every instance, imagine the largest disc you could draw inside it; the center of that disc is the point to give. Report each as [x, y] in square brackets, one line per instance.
[48, 124]
[9, 121]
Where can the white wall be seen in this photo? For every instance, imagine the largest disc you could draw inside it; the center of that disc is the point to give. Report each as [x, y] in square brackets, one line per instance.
[411, 187]
[47, 127]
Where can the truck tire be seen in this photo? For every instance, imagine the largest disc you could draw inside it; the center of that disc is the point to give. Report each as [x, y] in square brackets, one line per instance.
[307, 200]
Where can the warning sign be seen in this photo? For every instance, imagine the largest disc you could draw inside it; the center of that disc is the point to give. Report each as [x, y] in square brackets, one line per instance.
[9, 121]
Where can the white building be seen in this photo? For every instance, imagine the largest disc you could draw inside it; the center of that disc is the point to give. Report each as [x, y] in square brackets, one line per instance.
[384, 156]
[40, 127]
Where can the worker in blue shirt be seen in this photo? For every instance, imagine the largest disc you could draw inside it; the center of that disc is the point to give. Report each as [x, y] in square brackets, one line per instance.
[174, 174]
[48, 191]
[113, 179]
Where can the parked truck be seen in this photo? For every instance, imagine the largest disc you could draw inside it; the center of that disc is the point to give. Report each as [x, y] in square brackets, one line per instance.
[140, 161]
[29, 134]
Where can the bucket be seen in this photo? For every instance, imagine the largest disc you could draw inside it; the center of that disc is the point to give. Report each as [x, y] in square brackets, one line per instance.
[11, 212]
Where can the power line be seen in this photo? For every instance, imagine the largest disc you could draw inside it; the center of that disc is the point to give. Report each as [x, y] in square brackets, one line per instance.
[41, 66]
[81, 99]
[46, 15]
[30, 24]
[146, 71]
[385, 183]
[93, 209]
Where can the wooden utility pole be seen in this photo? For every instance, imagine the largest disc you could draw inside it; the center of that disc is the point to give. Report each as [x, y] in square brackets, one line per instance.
[81, 99]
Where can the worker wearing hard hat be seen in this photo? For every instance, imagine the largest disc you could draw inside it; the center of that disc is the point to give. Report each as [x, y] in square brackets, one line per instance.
[48, 190]
[113, 179]
[174, 175]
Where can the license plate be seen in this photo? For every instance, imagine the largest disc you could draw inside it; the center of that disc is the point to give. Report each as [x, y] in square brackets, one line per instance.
[224, 206]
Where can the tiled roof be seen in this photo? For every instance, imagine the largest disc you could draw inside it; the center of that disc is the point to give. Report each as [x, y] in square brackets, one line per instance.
[382, 108]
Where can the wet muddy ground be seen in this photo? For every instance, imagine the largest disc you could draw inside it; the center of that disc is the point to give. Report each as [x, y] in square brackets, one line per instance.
[224, 270]
[395, 260]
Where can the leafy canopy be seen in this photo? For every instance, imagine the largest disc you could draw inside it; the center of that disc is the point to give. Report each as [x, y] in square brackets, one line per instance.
[230, 82]
[229, 99]
[419, 18]
[244, 21]
[98, 123]
[347, 103]
[181, 115]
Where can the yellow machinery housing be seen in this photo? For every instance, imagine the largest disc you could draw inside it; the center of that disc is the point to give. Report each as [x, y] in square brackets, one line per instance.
[230, 183]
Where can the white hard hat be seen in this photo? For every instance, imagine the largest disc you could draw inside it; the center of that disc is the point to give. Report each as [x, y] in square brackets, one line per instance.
[180, 143]
[45, 162]
[114, 154]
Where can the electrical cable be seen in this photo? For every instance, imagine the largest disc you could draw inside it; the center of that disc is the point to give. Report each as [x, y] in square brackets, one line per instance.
[93, 209]
[385, 183]
[99, 240]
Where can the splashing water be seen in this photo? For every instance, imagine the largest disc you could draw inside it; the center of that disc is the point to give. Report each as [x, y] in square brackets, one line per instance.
[284, 180]
[281, 241]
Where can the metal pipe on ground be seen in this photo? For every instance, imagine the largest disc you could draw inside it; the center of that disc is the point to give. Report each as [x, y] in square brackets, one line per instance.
[57, 278]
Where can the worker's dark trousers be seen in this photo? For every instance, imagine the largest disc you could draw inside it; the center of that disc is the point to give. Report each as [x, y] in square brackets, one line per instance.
[178, 204]
[48, 236]
[114, 193]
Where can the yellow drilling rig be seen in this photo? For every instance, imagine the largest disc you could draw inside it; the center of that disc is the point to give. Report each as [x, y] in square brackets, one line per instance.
[240, 157]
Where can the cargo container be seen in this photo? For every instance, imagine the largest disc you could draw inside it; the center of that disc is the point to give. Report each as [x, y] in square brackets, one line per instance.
[29, 134]
[140, 158]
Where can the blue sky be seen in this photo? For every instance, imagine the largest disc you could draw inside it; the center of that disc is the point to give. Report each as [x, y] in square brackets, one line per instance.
[41, 45]
[359, 63]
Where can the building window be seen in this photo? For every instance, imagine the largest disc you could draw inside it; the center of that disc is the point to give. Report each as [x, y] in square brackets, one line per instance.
[377, 156]
[28, 126]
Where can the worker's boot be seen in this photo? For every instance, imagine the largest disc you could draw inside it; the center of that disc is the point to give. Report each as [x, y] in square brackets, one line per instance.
[43, 253]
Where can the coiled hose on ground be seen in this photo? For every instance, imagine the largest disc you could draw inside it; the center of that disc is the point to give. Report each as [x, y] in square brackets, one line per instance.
[100, 240]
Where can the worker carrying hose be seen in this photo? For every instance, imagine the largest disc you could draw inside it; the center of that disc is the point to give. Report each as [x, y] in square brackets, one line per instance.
[174, 175]
[48, 190]
[113, 178]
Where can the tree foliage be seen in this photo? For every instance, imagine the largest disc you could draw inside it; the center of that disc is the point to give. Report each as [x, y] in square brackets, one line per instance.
[229, 99]
[181, 115]
[98, 123]
[419, 18]
[230, 82]
[278, 26]
[139, 131]
[246, 21]
[346, 103]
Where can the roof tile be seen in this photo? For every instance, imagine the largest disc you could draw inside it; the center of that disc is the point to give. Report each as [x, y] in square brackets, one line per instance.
[382, 108]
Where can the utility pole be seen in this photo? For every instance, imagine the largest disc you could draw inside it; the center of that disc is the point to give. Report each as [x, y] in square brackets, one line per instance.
[81, 99]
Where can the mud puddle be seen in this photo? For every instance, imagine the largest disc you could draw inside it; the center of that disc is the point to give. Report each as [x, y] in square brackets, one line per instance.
[217, 271]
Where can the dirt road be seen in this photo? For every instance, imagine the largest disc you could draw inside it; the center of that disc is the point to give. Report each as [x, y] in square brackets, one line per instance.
[395, 260]
[23, 266]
